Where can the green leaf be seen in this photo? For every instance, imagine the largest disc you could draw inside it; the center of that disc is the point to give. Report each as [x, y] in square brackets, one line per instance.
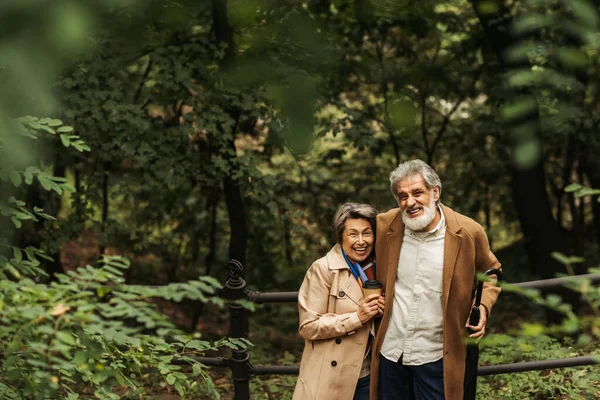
[195, 344]
[12, 270]
[65, 129]
[18, 254]
[561, 258]
[15, 221]
[553, 300]
[15, 178]
[573, 187]
[67, 188]
[44, 256]
[66, 338]
[28, 178]
[65, 140]
[171, 379]
[587, 192]
[120, 379]
[179, 389]
[196, 369]
[45, 182]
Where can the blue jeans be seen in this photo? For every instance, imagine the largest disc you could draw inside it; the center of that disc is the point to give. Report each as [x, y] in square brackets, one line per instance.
[404, 382]
[362, 389]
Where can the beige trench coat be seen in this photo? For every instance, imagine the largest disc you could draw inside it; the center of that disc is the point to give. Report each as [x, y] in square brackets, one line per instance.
[334, 339]
[466, 250]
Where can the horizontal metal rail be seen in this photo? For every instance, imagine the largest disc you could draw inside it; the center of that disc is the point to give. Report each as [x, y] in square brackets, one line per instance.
[290, 297]
[208, 361]
[275, 370]
[482, 371]
[273, 297]
[538, 365]
[556, 282]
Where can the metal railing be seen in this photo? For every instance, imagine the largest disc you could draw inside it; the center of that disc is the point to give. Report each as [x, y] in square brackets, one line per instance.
[242, 369]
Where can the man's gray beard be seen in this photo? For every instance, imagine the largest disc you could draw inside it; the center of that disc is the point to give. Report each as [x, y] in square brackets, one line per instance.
[420, 223]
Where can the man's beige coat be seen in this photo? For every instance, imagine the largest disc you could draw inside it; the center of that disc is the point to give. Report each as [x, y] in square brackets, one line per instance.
[334, 339]
[466, 250]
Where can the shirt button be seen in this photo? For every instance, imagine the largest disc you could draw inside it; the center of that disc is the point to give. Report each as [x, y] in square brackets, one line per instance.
[342, 294]
[333, 363]
[338, 340]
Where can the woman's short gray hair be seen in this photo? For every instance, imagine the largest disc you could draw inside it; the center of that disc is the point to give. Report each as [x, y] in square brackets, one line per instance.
[352, 210]
[409, 168]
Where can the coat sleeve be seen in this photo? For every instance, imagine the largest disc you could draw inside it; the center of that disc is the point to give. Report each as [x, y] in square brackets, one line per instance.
[313, 301]
[484, 260]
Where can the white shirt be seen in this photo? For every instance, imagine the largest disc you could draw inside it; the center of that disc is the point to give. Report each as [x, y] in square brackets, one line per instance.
[416, 324]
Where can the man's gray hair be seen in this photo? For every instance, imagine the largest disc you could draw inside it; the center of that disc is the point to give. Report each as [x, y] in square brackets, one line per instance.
[352, 210]
[409, 168]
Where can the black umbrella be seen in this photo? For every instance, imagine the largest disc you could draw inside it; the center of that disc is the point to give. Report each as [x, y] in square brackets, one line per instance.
[472, 360]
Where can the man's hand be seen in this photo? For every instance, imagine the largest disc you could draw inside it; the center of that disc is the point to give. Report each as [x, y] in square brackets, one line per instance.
[479, 329]
[381, 304]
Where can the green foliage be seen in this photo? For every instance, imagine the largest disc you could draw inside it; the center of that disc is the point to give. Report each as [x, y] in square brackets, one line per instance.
[88, 333]
[571, 383]
[17, 261]
[582, 191]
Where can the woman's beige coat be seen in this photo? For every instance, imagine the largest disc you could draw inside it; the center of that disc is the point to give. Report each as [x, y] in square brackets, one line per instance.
[334, 339]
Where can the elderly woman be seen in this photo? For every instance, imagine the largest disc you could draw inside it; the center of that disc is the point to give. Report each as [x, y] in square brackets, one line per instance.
[336, 320]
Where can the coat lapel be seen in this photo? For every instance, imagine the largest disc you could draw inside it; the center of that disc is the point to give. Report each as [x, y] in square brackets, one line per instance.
[394, 243]
[452, 242]
[348, 285]
[388, 246]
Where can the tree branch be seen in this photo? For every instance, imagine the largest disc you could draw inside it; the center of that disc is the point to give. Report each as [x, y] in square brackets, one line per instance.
[447, 117]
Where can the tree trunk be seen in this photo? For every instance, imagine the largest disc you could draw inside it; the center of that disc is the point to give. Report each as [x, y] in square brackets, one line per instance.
[231, 187]
[237, 219]
[541, 231]
[212, 238]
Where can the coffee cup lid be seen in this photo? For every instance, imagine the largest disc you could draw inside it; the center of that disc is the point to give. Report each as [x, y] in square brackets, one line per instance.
[372, 284]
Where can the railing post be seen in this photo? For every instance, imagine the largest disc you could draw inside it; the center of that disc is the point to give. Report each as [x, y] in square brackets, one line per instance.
[235, 289]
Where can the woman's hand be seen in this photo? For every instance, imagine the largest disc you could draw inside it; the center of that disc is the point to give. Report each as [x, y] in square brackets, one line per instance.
[369, 308]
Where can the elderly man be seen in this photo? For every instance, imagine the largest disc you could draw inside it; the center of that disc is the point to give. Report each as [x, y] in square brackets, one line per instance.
[427, 258]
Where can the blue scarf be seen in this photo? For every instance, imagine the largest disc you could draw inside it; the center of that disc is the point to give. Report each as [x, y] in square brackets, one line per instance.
[355, 268]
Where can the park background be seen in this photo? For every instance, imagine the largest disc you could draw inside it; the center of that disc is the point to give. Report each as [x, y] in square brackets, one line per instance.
[167, 137]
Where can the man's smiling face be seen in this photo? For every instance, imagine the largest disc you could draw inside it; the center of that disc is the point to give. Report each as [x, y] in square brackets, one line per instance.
[418, 203]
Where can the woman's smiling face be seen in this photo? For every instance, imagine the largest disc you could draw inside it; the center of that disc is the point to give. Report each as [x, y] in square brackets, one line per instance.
[358, 239]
